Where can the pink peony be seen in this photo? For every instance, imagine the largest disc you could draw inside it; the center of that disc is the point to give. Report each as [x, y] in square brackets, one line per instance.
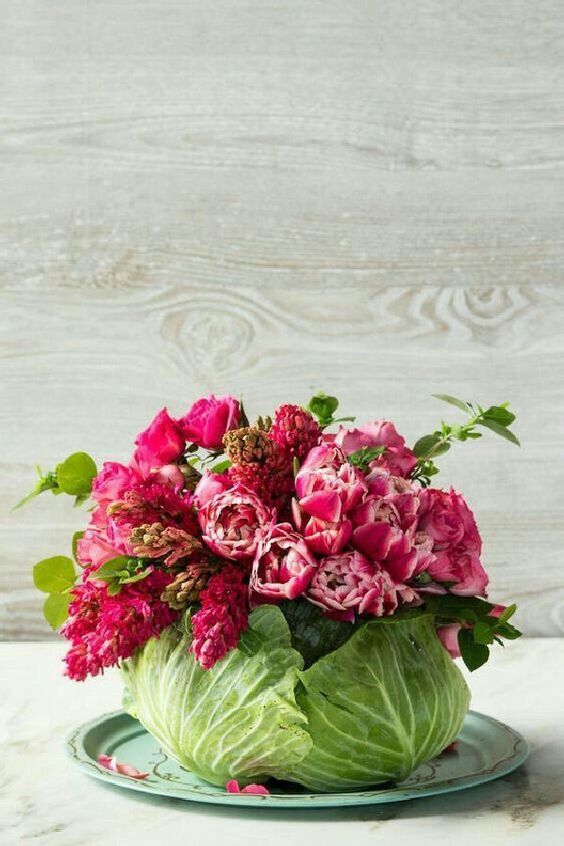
[322, 537]
[348, 583]
[449, 638]
[231, 522]
[326, 488]
[283, 564]
[397, 458]
[209, 419]
[161, 443]
[94, 548]
[222, 617]
[209, 486]
[112, 482]
[446, 518]
[295, 431]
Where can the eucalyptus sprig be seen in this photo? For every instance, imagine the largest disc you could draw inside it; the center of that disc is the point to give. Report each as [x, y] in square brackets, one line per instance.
[323, 407]
[497, 418]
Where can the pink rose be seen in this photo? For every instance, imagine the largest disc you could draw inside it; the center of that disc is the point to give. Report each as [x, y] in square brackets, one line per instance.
[112, 482]
[209, 485]
[449, 638]
[397, 458]
[348, 583]
[95, 549]
[283, 564]
[322, 537]
[232, 521]
[446, 518]
[209, 419]
[161, 443]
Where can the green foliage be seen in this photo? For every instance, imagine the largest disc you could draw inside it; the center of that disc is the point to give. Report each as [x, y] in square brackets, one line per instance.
[56, 609]
[323, 407]
[362, 457]
[55, 576]
[122, 570]
[497, 418]
[480, 627]
[72, 476]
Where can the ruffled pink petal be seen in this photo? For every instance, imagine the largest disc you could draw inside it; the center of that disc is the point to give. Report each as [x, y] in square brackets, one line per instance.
[325, 505]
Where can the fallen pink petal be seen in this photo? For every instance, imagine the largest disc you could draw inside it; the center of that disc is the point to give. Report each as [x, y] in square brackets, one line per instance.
[122, 769]
[256, 789]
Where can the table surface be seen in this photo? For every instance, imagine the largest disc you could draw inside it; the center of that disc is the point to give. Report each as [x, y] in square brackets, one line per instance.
[43, 799]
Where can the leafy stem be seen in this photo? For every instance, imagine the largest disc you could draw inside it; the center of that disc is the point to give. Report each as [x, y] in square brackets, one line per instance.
[496, 418]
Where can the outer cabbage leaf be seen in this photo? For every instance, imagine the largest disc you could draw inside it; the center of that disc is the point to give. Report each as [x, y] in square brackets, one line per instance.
[387, 700]
[238, 720]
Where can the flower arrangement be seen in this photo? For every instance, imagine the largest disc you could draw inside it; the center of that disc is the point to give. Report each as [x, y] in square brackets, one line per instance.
[282, 599]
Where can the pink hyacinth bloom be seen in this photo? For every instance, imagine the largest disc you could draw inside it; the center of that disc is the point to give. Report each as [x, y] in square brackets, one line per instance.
[232, 521]
[256, 789]
[449, 638]
[348, 583]
[283, 565]
[222, 617]
[160, 443]
[397, 458]
[209, 419]
[123, 769]
[295, 431]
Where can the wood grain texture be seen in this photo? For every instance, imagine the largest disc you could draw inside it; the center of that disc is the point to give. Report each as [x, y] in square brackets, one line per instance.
[273, 198]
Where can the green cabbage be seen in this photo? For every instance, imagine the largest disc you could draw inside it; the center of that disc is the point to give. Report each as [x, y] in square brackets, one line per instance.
[371, 710]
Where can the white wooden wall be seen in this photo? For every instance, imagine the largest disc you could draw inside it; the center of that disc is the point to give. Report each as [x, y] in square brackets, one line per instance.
[276, 197]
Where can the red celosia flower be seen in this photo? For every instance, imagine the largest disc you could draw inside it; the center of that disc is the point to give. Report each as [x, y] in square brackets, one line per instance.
[294, 430]
[104, 629]
[223, 616]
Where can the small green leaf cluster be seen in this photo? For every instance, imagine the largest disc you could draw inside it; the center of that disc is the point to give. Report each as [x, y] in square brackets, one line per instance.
[323, 407]
[363, 457]
[122, 570]
[72, 476]
[497, 418]
[55, 576]
[480, 628]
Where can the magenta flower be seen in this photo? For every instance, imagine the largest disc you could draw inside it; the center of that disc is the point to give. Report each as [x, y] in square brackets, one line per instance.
[397, 458]
[322, 537]
[222, 617]
[161, 443]
[231, 522]
[209, 419]
[295, 431]
[447, 519]
[112, 482]
[449, 638]
[283, 565]
[349, 583]
[209, 486]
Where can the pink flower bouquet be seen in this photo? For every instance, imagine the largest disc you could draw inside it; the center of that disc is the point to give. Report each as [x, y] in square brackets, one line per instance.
[283, 601]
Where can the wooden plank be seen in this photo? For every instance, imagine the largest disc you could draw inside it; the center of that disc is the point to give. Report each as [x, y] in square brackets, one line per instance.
[273, 198]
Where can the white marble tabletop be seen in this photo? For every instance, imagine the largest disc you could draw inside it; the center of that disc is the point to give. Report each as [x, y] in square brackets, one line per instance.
[45, 800]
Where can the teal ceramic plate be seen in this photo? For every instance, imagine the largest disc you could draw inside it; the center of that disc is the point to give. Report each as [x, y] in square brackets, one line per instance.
[486, 750]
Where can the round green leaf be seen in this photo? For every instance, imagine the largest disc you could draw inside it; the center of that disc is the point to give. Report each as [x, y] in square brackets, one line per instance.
[54, 575]
[75, 474]
[56, 609]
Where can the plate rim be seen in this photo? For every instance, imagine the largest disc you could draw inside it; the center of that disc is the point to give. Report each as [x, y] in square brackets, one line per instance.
[76, 751]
